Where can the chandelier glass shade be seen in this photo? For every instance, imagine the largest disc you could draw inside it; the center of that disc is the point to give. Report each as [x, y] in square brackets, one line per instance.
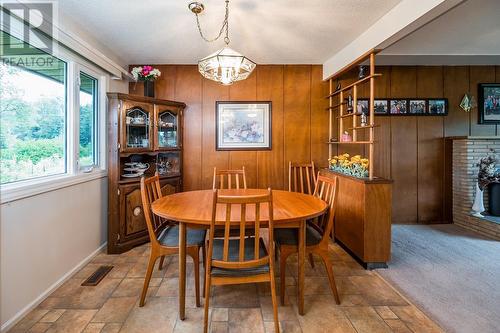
[226, 66]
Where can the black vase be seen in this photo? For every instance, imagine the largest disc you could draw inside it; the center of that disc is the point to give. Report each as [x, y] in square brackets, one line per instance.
[149, 88]
[494, 198]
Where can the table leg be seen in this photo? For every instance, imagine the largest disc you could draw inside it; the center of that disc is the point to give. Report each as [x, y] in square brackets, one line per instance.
[182, 270]
[301, 262]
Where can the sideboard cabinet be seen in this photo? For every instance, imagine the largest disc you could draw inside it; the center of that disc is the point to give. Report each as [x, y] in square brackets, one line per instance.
[144, 137]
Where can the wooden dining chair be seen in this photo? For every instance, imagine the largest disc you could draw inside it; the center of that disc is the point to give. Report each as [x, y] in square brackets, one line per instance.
[228, 179]
[317, 235]
[241, 260]
[164, 237]
[301, 177]
[223, 179]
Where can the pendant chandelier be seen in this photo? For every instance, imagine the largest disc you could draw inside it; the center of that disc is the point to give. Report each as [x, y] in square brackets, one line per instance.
[225, 66]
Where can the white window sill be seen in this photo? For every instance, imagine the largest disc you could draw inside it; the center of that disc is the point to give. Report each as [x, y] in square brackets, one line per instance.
[29, 188]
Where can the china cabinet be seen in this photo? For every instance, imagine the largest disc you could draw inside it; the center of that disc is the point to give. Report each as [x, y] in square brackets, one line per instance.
[144, 137]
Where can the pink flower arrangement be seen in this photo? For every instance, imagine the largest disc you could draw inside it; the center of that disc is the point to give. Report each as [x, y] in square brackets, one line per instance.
[145, 73]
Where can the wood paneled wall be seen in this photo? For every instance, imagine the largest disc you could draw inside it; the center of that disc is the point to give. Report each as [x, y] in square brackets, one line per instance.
[410, 149]
[299, 121]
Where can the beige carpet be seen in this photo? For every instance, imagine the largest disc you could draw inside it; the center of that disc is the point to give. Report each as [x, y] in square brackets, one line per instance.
[449, 272]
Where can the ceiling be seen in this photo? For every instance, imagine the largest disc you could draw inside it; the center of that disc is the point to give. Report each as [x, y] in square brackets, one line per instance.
[467, 34]
[268, 32]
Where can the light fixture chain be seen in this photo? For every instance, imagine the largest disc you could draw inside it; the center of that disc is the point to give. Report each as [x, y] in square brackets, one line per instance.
[225, 24]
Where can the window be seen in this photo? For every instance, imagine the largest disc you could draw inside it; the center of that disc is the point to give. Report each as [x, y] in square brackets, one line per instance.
[50, 123]
[88, 120]
[32, 116]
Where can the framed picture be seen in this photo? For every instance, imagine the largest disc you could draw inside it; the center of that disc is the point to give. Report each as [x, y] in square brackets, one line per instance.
[362, 106]
[489, 103]
[437, 106]
[243, 125]
[417, 106]
[381, 106]
[399, 106]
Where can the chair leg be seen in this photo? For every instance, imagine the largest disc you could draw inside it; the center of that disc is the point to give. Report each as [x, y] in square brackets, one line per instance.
[147, 278]
[275, 302]
[204, 256]
[195, 254]
[283, 256]
[311, 260]
[162, 258]
[207, 302]
[329, 270]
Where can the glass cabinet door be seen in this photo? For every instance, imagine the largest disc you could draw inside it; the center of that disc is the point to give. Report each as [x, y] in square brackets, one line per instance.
[167, 129]
[137, 128]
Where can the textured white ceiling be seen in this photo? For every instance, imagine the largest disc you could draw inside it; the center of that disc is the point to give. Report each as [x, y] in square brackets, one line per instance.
[267, 31]
[471, 28]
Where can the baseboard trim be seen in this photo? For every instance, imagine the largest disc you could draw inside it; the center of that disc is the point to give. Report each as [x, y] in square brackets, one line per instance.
[18, 316]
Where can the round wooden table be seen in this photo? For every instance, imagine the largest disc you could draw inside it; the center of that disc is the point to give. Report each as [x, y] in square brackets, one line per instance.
[290, 210]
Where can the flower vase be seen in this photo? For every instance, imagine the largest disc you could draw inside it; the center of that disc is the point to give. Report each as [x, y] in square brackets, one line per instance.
[478, 206]
[149, 89]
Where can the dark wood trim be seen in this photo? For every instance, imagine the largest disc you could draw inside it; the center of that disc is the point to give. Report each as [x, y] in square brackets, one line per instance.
[144, 99]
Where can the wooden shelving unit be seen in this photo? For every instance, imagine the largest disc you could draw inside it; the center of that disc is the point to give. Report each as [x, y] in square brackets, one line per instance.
[340, 107]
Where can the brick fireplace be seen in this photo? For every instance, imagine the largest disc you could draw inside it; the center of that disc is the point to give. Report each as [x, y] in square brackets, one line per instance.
[467, 152]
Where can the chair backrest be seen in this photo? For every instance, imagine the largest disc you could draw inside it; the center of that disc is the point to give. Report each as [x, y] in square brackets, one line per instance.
[230, 175]
[327, 190]
[151, 191]
[242, 203]
[301, 177]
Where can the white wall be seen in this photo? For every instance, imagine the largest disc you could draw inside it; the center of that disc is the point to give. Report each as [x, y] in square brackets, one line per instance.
[47, 237]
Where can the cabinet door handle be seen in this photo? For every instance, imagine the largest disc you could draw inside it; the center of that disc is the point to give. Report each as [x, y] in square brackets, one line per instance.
[137, 211]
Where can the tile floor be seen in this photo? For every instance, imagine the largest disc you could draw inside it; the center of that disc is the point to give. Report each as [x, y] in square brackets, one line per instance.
[369, 304]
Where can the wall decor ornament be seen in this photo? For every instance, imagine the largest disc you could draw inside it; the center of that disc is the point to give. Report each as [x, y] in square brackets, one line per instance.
[466, 103]
[243, 125]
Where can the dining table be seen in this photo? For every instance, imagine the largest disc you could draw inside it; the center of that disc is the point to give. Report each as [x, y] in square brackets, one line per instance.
[194, 209]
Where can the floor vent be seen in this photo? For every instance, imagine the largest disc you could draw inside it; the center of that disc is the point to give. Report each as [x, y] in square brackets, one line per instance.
[97, 276]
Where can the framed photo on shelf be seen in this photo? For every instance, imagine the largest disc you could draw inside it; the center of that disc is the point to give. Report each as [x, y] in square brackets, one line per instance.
[243, 125]
[363, 106]
[399, 106]
[437, 106]
[417, 106]
[381, 106]
[489, 103]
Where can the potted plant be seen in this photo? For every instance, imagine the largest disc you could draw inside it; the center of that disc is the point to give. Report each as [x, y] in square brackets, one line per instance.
[148, 75]
[355, 166]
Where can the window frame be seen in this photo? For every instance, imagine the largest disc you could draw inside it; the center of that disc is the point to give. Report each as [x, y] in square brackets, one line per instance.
[97, 131]
[73, 175]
